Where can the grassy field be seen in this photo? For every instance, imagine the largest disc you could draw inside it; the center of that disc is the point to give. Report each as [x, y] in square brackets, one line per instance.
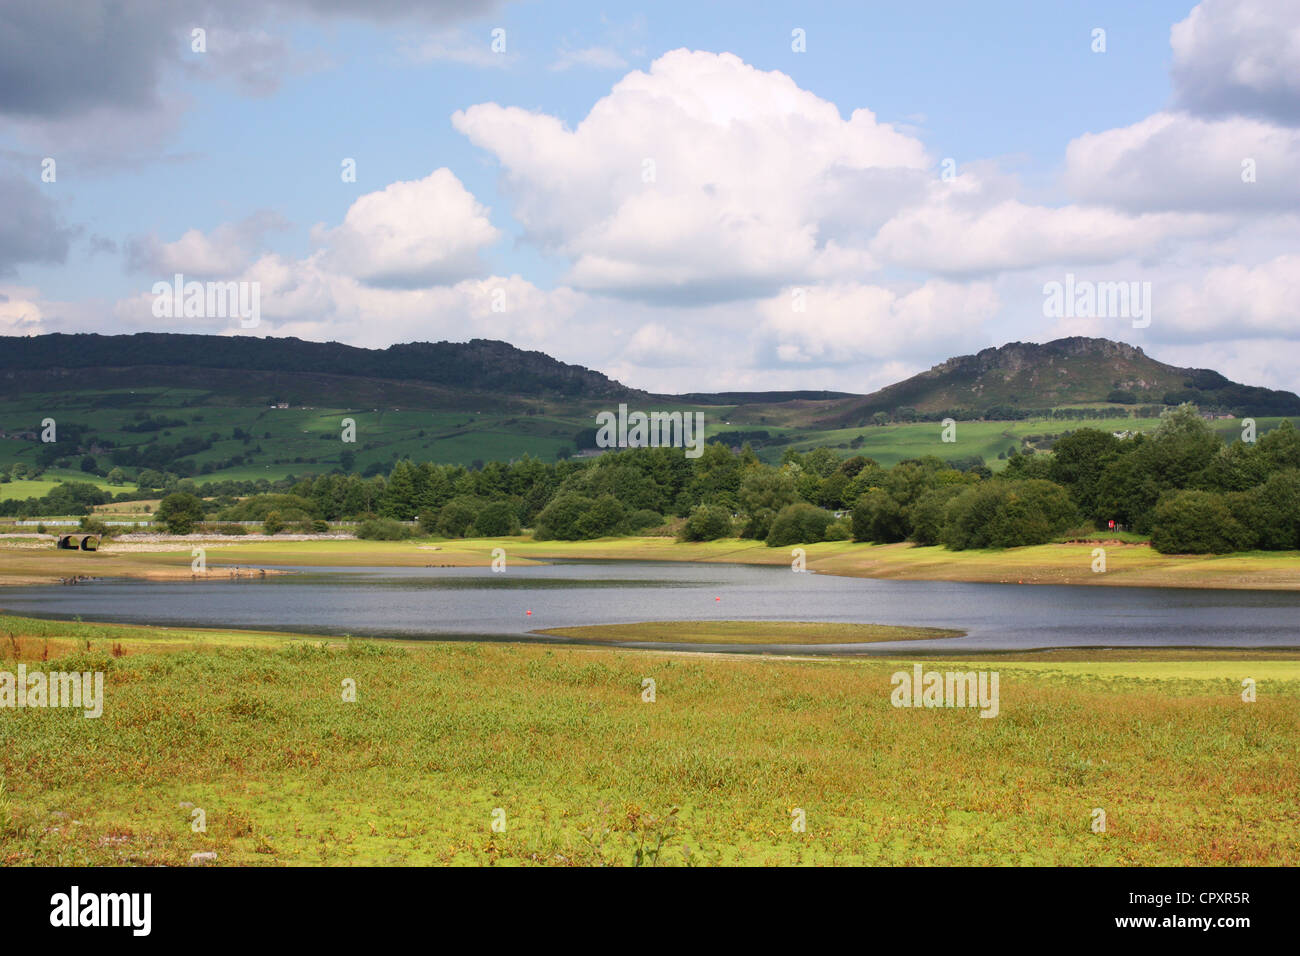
[22, 488]
[1127, 564]
[560, 747]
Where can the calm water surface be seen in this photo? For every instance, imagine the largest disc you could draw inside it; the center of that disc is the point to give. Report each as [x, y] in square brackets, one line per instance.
[442, 603]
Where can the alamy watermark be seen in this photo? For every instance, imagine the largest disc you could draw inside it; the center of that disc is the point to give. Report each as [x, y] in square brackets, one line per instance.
[1085, 299]
[75, 908]
[653, 430]
[208, 300]
[950, 689]
[56, 689]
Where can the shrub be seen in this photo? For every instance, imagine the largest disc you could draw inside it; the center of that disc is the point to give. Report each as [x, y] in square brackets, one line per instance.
[92, 525]
[258, 507]
[643, 519]
[273, 524]
[706, 523]
[841, 529]
[383, 529]
[799, 523]
[180, 512]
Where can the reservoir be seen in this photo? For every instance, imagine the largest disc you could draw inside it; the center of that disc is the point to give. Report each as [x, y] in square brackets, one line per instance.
[478, 604]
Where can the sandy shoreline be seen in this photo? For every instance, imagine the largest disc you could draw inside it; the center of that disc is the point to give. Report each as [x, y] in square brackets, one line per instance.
[31, 560]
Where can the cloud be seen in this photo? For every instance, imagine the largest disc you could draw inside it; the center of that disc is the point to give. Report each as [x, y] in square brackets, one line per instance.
[65, 57]
[955, 236]
[410, 234]
[20, 313]
[1236, 302]
[701, 180]
[851, 323]
[1239, 57]
[224, 252]
[117, 66]
[655, 345]
[1177, 161]
[29, 228]
[1267, 362]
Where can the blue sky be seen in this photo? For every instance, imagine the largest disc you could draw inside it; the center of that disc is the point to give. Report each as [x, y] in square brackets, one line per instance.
[1117, 166]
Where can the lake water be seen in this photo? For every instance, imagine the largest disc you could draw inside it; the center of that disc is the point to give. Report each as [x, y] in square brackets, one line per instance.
[464, 603]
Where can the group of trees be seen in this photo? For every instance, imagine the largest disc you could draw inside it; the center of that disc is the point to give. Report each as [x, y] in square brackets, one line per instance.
[1180, 484]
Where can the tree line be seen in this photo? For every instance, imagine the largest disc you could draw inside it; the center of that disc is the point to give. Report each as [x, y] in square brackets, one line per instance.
[1180, 484]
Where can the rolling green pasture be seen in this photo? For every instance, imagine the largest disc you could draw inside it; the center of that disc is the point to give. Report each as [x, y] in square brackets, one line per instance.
[298, 441]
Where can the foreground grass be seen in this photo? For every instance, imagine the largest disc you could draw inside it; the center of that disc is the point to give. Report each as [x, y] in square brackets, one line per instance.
[1134, 565]
[750, 632]
[252, 730]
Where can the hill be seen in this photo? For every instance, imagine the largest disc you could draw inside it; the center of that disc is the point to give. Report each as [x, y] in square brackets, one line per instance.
[1022, 378]
[244, 408]
[311, 369]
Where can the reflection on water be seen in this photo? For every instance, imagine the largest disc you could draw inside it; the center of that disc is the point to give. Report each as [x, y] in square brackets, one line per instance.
[441, 603]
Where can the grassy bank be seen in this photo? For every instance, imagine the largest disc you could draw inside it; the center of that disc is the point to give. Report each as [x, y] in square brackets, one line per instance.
[1136, 565]
[252, 729]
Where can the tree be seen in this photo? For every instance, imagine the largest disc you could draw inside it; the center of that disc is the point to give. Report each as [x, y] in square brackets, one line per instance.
[706, 523]
[399, 499]
[273, 524]
[457, 515]
[117, 477]
[559, 519]
[1079, 461]
[766, 488]
[179, 512]
[1196, 522]
[1007, 514]
[878, 517]
[1281, 446]
[799, 523]
[605, 517]
[1278, 527]
[496, 519]
[928, 513]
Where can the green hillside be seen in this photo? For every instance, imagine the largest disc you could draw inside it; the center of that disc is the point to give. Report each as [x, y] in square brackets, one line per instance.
[249, 408]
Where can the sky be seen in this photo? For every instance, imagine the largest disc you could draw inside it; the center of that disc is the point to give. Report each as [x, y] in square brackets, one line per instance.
[684, 196]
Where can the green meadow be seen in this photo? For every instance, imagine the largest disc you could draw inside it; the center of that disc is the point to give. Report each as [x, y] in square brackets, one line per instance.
[561, 750]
